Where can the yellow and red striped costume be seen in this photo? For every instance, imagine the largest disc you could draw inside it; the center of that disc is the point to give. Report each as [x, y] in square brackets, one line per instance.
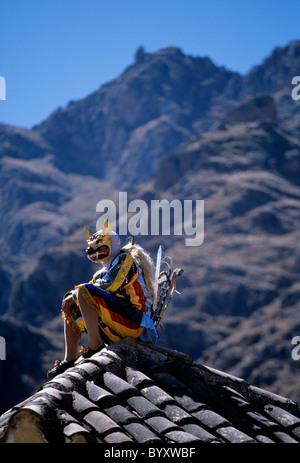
[120, 297]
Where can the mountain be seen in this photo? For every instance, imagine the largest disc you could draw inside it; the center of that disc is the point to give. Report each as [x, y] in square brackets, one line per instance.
[171, 126]
[239, 308]
[159, 101]
[274, 76]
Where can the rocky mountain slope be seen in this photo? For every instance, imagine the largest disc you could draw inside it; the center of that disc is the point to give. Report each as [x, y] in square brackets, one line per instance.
[171, 126]
[239, 308]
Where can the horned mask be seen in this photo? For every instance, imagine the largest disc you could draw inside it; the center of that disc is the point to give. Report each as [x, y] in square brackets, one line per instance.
[100, 244]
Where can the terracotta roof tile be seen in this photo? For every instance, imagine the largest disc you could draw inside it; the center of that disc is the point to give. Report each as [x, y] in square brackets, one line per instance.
[141, 433]
[261, 420]
[296, 432]
[101, 423]
[118, 386]
[233, 435]
[132, 392]
[177, 414]
[281, 416]
[285, 438]
[99, 395]
[120, 414]
[74, 432]
[210, 418]
[117, 438]
[181, 437]
[156, 395]
[264, 439]
[143, 407]
[81, 404]
[199, 432]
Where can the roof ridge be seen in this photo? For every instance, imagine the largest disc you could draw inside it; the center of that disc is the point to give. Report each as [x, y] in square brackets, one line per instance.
[213, 377]
[159, 349]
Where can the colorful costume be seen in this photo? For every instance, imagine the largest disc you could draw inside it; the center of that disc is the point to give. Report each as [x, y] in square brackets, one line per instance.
[117, 292]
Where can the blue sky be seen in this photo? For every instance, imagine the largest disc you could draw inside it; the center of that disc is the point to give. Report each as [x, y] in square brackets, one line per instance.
[55, 51]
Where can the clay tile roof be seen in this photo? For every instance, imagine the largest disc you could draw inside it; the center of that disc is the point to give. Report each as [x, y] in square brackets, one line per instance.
[132, 392]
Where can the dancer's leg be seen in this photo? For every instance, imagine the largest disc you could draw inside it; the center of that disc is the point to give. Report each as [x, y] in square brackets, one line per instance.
[71, 342]
[90, 317]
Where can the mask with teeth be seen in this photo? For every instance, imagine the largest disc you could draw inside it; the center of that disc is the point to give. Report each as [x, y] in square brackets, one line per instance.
[103, 246]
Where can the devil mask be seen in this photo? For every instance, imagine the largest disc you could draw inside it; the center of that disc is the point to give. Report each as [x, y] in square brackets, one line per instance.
[103, 246]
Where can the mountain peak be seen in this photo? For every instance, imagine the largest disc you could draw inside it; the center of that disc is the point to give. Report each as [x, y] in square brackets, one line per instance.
[292, 49]
[274, 75]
